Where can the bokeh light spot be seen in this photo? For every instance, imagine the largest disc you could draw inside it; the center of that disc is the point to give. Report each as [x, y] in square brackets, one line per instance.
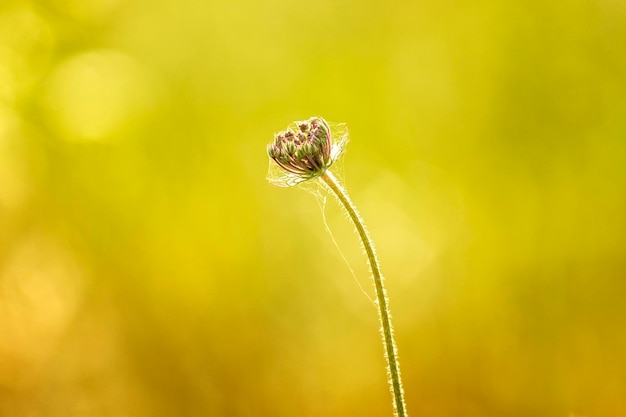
[41, 286]
[91, 95]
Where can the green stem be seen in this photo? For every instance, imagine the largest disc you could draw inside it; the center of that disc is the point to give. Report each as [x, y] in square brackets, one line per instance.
[391, 351]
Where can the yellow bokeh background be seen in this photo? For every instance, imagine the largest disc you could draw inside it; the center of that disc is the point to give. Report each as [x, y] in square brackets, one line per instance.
[147, 268]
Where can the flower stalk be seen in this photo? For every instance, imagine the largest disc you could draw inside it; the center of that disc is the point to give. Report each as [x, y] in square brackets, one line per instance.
[306, 151]
[382, 302]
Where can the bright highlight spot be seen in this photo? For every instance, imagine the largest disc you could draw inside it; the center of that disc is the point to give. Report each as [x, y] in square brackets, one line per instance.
[91, 95]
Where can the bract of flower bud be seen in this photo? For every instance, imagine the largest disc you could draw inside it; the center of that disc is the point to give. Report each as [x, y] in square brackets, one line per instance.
[304, 150]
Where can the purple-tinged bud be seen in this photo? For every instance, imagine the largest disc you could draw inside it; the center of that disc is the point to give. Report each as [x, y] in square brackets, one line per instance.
[304, 151]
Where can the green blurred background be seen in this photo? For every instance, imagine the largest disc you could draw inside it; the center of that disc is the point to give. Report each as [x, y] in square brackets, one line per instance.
[148, 269]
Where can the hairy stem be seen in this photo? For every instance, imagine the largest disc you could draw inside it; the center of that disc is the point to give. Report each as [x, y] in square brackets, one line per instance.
[391, 351]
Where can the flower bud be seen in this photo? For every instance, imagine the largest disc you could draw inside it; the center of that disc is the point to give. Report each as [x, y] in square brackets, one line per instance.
[304, 151]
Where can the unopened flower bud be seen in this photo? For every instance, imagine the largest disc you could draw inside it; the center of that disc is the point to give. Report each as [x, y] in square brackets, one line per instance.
[304, 151]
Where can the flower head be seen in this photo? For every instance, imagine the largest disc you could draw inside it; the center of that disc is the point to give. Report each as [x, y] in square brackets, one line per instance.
[303, 151]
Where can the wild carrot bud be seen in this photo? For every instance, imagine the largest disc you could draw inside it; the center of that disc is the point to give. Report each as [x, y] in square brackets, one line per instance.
[303, 151]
